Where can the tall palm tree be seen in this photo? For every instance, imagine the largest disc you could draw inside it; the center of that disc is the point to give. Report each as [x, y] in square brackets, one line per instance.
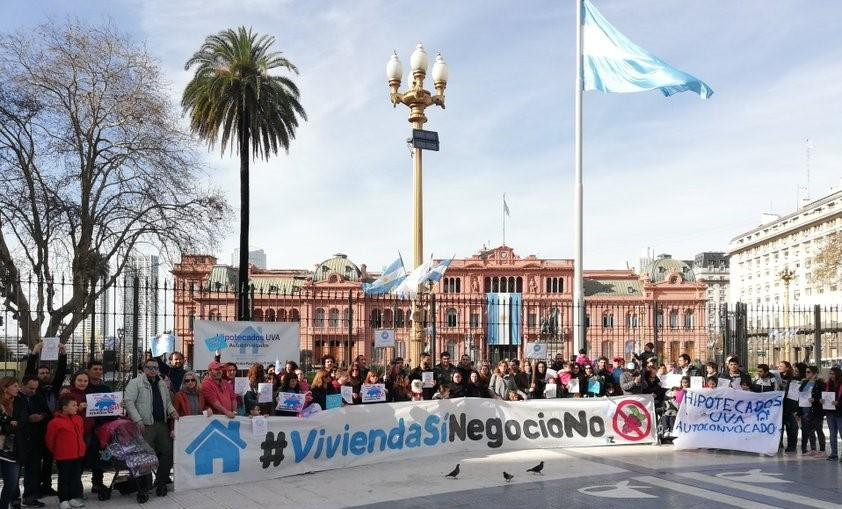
[232, 93]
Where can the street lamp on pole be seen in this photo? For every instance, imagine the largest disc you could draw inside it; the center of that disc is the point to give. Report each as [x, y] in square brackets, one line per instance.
[417, 99]
[786, 276]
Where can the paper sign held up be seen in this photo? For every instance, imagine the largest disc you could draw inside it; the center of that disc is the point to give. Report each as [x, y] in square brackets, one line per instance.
[290, 402]
[697, 382]
[49, 349]
[264, 393]
[333, 401]
[348, 394]
[828, 401]
[241, 385]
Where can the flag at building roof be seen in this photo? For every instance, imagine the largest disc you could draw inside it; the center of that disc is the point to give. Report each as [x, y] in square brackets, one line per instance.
[392, 276]
[613, 63]
[505, 205]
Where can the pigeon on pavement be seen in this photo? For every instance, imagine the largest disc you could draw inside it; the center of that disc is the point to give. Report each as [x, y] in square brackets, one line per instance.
[454, 473]
[507, 476]
[537, 468]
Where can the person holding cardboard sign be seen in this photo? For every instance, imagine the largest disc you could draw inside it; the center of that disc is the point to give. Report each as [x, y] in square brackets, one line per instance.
[812, 416]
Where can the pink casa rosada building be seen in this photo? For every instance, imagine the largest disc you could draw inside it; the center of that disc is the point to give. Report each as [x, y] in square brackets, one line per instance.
[487, 306]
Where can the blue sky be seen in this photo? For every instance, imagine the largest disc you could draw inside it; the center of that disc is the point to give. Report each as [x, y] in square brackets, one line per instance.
[678, 174]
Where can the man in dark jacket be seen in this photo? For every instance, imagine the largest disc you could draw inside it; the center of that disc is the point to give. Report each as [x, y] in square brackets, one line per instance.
[764, 382]
[174, 370]
[464, 368]
[739, 378]
[418, 374]
[444, 370]
[521, 379]
[648, 353]
[684, 367]
[34, 434]
[49, 386]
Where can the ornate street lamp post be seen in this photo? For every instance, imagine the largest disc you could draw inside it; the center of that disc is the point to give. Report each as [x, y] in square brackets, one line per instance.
[417, 99]
[786, 276]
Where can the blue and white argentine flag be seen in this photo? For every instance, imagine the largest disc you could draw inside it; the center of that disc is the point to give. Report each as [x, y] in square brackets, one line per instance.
[438, 270]
[504, 310]
[390, 279]
[613, 63]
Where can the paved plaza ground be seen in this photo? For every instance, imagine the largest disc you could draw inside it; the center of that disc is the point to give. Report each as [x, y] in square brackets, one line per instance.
[604, 477]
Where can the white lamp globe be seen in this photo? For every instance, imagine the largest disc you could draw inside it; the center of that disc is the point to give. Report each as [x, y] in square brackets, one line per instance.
[440, 70]
[394, 69]
[418, 60]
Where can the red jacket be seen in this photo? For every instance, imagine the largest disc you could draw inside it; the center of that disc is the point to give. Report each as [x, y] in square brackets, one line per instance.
[219, 396]
[66, 437]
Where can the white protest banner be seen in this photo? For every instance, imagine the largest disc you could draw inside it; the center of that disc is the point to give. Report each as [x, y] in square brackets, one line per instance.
[697, 382]
[245, 342]
[104, 404]
[49, 349]
[290, 402]
[347, 394]
[536, 350]
[427, 379]
[828, 401]
[384, 338]
[241, 385]
[218, 451]
[264, 393]
[729, 419]
[372, 393]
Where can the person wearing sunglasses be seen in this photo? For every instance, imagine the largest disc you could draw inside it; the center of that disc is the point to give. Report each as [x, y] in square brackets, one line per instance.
[189, 400]
[148, 404]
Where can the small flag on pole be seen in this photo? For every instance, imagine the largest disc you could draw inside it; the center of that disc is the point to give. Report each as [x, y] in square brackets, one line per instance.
[505, 206]
[613, 63]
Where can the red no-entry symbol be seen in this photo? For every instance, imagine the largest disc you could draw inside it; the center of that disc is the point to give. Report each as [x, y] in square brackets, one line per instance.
[632, 420]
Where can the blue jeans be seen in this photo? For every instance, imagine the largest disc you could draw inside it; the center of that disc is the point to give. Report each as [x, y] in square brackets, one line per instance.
[834, 422]
[11, 483]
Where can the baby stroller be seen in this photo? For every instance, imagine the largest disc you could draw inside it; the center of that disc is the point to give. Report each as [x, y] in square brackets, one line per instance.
[124, 447]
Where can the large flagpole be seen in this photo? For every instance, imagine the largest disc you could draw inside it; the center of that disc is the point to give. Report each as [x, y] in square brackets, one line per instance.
[578, 279]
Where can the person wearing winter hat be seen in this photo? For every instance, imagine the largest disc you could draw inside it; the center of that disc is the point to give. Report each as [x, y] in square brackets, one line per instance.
[417, 391]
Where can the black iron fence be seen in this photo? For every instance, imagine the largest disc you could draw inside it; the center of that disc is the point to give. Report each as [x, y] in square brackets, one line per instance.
[341, 321]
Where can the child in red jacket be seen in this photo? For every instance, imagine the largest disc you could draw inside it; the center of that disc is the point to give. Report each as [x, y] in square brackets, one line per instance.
[66, 440]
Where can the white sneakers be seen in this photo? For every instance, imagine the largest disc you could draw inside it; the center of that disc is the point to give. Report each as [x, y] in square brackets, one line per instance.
[76, 502]
[64, 505]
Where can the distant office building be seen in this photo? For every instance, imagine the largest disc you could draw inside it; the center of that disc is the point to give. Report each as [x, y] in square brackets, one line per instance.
[711, 268]
[256, 258]
[146, 269]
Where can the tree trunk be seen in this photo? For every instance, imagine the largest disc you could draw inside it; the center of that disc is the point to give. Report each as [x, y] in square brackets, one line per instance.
[243, 308]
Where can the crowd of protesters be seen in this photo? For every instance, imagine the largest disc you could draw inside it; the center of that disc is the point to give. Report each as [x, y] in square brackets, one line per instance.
[42, 421]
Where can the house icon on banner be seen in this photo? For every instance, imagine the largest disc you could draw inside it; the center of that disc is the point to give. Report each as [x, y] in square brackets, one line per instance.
[217, 441]
[251, 338]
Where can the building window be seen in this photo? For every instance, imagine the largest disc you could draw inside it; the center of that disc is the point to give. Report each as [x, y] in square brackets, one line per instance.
[673, 319]
[319, 318]
[192, 320]
[531, 320]
[399, 319]
[270, 315]
[387, 318]
[555, 285]
[294, 315]
[659, 319]
[452, 320]
[333, 317]
[688, 319]
[376, 319]
[475, 320]
[607, 321]
[632, 321]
